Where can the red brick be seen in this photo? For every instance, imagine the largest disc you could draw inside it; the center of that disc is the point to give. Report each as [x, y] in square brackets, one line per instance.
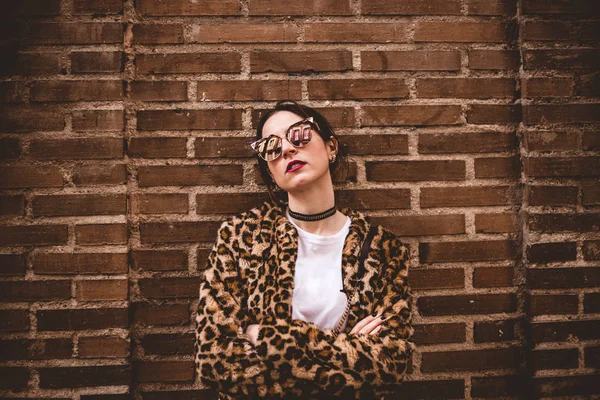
[355, 32]
[160, 203]
[34, 8]
[493, 114]
[552, 195]
[563, 278]
[184, 7]
[178, 232]
[79, 204]
[100, 234]
[157, 33]
[420, 115]
[97, 7]
[464, 32]
[34, 235]
[98, 120]
[552, 304]
[564, 222]
[82, 319]
[73, 377]
[592, 357]
[12, 205]
[27, 64]
[79, 263]
[441, 278]
[202, 258]
[31, 118]
[158, 91]
[411, 7]
[475, 88]
[164, 371]
[181, 63]
[98, 62]
[546, 30]
[338, 117]
[77, 90]
[357, 89]
[102, 347]
[561, 166]
[185, 120]
[12, 92]
[575, 385]
[161, 314]
[159, 260]
[495, 223]
[97, 290]
[244, 33]
[468, 196]
[591, 303]
[12, 264]
[561, 59]
[410, 60]
[376, 144]
[374, 199]
[491, 7]
[561, 113]
[190, 175]
[10, 149]
[439, 333]
[157, 147]
[76, 149]
[125, 396]
[15, 378]
[591, 250]
[421, 225]
[550, 252]
[14, 291]
[565, 331]
[73, 33]
[14, 320]
[493, 277]
[180, 395]
[484, 142]
[40, 349]
[169, 344]
[551, 141]
[586, 7]
[227, 203]
[591, 141]
[309, 7]
[254, 90]
[467, 304]
[470, 360]
[300, 61]
[429, 170]
[496, 386]
[589, 85]
[221, 146]
[554, 359]
[494, 331]
[586, 30]
[100, 174]
[489, 250]
[493, 59]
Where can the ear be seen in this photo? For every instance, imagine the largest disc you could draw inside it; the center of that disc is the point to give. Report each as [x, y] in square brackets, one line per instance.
[332, 145]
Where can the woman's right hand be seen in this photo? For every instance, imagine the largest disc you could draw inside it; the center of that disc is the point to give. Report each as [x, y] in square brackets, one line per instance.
[370, 325]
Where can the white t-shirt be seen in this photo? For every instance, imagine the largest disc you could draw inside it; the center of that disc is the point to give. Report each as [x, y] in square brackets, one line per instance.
[318, 277]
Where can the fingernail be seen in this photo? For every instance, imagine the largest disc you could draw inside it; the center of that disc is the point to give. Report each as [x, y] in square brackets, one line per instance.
[383, 317]
[374, 314]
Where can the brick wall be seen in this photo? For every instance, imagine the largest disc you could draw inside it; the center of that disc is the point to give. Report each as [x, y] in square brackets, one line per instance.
[473, 129]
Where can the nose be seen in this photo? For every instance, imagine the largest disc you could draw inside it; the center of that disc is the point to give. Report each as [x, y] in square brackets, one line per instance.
[287, 148]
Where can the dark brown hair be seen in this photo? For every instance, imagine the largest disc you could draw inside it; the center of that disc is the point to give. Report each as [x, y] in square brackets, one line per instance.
[338, 168]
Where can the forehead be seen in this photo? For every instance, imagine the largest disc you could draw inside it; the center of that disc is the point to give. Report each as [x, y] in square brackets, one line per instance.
[278, 123]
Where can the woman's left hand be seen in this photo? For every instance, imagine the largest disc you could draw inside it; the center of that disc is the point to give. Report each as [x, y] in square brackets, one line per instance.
[252, 332]
[370, 325]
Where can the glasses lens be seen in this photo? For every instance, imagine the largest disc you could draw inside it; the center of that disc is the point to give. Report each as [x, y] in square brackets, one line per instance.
[270, 149]
[300, 135]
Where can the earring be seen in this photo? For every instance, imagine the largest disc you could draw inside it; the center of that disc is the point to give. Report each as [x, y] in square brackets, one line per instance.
[332, 159]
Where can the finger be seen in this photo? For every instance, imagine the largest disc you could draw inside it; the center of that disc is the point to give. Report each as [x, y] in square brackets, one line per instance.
[370, 326]
[376, 330]
[360, 324]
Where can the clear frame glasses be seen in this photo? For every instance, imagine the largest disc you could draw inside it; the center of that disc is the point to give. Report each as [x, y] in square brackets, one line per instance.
[298, 134]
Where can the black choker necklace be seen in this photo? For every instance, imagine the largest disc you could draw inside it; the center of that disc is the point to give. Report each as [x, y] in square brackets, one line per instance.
[312, 217]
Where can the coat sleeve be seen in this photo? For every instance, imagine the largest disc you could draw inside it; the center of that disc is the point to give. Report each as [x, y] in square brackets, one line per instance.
[358, 366]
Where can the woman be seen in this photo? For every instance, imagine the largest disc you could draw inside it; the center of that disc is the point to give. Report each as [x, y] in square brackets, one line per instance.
[288, 308]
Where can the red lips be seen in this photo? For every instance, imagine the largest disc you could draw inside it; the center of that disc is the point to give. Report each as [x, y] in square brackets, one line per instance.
[294, 165]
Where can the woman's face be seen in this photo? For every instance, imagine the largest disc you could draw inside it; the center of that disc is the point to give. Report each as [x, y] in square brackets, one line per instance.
[311, 162]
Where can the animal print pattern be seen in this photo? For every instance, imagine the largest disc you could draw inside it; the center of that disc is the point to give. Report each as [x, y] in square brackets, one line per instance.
[249, 279]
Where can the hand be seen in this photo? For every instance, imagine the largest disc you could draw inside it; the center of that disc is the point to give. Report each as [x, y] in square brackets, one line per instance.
[252, 332]
[370, 325]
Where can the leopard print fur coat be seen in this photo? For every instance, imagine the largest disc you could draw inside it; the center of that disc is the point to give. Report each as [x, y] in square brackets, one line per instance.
[249, 279]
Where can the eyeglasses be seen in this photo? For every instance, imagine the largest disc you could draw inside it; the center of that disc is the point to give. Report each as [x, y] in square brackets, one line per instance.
[298, 134]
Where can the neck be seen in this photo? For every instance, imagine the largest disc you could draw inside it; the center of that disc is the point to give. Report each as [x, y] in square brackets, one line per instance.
[314, 200]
